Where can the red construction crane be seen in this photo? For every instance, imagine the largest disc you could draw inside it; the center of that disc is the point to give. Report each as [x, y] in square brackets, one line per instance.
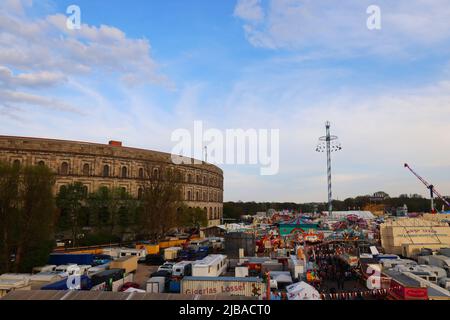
[430, 187]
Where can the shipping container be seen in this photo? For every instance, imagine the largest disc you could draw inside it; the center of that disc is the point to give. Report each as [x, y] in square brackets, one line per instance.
[156, 285]
[171, 253]
[249, 286]
[67, 258]
[128, 263]
[149, 248]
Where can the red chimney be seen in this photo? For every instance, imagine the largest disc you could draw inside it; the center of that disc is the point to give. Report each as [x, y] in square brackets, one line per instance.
[115, 143]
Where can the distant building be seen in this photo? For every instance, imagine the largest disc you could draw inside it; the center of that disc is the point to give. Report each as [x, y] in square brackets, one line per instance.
[379, 196]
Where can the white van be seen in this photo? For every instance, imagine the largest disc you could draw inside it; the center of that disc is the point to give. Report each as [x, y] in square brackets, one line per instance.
[69, 269]
[181, 269]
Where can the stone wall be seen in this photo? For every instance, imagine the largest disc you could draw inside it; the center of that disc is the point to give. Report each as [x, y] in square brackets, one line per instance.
[112, 165]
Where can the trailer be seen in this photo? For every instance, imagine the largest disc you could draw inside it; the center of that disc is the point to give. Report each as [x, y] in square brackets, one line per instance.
[97, 269]
[107, 277]
[231, 286]
[127, 263]
[211, 266]
[156, 285]
[140, 253]
[10, 282]
[41, 279]
[75, 283]
[79, 259]
[171, 253]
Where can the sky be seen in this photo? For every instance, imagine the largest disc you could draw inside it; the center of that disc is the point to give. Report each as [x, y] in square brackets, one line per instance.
[136, 71]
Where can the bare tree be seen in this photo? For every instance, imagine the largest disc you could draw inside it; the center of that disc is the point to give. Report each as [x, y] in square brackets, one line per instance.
[161, 197]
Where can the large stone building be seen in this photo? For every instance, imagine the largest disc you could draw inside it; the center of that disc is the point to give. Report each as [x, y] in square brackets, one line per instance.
[112, 165]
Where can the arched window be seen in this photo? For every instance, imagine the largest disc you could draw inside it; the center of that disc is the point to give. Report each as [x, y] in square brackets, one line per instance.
[124, 172]
[41, 163]
[156, 173]
[86, 169]
[64, 168]
[188, 195]
[141, 173]
[196, 196]
[204, 196]
[106, 170]
[210, 213]
[16, 163]
[198, 179]
[189, 178]
[140, 193]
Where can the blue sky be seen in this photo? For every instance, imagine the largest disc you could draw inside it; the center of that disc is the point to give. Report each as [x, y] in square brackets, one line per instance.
[138, 70]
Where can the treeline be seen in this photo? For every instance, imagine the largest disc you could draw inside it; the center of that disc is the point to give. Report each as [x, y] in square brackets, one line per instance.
[234, 210]
[31, 217]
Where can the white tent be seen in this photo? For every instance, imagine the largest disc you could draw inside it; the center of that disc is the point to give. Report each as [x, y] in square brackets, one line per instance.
[302, 291]
[367, 215]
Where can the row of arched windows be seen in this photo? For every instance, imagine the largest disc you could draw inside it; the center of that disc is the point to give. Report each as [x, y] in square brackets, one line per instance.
[203, 196]
[86, 170]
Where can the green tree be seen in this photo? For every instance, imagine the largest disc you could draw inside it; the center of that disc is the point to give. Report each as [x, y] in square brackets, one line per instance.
[112, 210]
[71, 201]
[27, 216]
[191, 217]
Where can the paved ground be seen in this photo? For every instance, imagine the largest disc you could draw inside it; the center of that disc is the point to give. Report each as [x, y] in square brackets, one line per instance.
[143, 273]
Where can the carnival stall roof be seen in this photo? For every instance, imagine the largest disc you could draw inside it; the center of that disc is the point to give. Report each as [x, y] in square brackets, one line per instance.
[297, 223]
[302, 291]
[367, 215]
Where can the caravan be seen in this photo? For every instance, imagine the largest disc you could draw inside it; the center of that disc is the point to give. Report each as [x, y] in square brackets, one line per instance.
[211, 266]
[181, 269]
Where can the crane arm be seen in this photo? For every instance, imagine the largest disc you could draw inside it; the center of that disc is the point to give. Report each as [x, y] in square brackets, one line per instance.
[429, 186]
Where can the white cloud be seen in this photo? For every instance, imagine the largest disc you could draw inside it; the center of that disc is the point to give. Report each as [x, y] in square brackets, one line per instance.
[340, 26]
[249, 10]
[42, 53]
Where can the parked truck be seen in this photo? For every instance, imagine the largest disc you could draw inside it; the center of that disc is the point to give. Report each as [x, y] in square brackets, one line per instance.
[79, 258]
[127, 263]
